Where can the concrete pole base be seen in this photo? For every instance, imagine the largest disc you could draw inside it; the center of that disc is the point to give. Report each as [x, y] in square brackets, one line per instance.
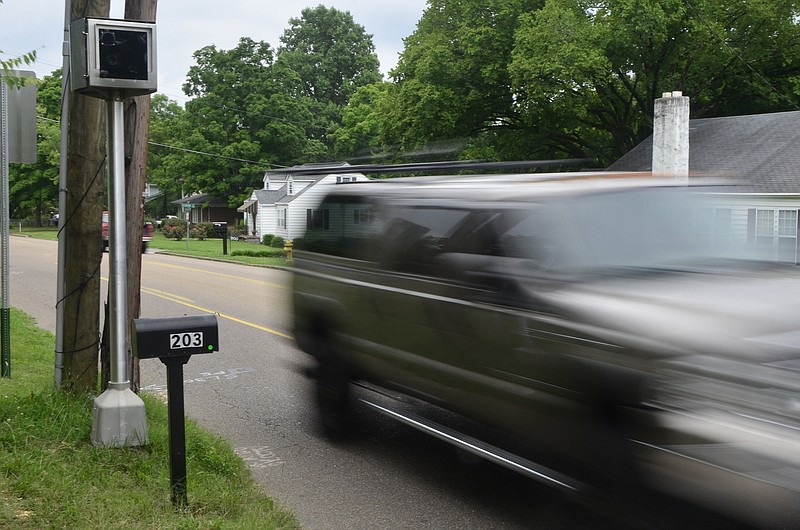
[119, 418]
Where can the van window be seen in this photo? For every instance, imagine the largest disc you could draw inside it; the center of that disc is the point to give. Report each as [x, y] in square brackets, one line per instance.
[412, 237]
[340, 226]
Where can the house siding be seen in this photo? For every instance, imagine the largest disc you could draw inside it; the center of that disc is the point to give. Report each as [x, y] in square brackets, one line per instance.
[743, 221]
[307, 193]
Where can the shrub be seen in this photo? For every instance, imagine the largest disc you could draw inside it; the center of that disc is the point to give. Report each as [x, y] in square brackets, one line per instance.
[172, 223]
[174, 231]
[201, 231]
[266, 239]
[258, 253]
[197, 232]
[277, 242]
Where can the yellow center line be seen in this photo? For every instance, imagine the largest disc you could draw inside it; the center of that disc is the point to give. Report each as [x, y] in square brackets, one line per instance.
[221, 274]
[188, 303]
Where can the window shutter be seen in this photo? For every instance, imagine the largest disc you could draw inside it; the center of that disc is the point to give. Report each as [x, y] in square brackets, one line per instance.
[751, 226]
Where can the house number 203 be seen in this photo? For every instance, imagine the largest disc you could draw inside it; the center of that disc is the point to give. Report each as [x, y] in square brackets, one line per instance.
[189, 339]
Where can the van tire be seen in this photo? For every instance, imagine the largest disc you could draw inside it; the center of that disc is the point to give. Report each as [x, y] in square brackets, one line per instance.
[333, 399]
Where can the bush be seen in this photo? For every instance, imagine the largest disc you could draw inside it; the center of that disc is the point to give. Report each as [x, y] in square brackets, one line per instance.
[172, 223]
[266, 239]
[201, 231]
[259, 253]
[277, 242]
[172, 231]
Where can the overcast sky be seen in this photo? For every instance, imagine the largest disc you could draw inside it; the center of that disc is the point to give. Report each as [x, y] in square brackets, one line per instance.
[185, 26]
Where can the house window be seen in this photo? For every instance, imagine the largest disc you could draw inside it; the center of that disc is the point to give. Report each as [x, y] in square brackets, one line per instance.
[774, 231]
[290, 186]
[362, 216]
[318, 219]
[787, 235]
[282, 218]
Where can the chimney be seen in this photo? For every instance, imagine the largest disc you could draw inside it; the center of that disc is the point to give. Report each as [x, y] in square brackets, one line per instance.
[671, 137]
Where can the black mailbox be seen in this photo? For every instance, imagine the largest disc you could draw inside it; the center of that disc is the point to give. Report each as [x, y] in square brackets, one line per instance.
[174, 340]
[174, 336]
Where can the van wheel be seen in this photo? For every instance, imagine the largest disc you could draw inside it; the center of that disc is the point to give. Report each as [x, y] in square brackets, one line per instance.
[333, 399]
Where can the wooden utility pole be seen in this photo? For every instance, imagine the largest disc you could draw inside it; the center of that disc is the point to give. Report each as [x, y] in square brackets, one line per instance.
[86, 173]
[137, 132]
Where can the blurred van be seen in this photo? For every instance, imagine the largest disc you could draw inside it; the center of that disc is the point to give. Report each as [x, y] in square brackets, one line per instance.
[588, 325]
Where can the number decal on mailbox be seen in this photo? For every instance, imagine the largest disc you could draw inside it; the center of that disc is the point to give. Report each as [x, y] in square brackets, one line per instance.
[189, 339]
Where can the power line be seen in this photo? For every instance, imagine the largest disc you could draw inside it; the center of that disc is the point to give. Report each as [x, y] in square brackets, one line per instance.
[194, 152]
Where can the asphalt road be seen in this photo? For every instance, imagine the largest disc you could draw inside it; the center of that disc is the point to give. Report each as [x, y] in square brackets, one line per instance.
[253, 393]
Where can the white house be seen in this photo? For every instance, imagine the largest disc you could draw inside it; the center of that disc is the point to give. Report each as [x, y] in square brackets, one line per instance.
[285, 205]
[762, 153]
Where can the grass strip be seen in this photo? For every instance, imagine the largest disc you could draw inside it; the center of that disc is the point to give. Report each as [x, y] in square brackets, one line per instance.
[52, 476]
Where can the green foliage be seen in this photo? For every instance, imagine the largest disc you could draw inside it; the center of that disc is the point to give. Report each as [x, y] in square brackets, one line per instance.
[201, 231]
[452, 81]
[258, 253]
[331, 54]
[7, 65]
[542, 79]
[266, 239]
[277, 242]
[254, 109]
[174, 231]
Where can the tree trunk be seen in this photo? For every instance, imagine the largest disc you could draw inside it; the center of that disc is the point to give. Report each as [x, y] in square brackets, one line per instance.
[86, 168]
[137, 131]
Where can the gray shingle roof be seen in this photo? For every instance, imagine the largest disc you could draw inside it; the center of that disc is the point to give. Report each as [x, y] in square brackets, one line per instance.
[762, 150]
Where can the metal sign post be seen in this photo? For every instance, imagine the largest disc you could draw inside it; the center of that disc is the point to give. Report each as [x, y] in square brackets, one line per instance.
[17, 115]
[187, 210]
[119, 417]
[5, 322]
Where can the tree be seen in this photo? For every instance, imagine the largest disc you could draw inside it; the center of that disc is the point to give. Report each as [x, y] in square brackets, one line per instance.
[577, 78]
[246, 116]
[332, 57]
[359, 135]
[592, 70]
[452, 80]
[137, 127]
[165, 117]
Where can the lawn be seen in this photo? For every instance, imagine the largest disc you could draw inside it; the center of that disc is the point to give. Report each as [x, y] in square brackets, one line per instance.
[52, 476]
[238, 251]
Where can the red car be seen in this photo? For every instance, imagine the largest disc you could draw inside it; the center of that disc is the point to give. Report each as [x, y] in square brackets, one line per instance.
[147, 233]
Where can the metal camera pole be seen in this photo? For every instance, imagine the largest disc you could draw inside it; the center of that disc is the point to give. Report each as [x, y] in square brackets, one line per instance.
[119, 416]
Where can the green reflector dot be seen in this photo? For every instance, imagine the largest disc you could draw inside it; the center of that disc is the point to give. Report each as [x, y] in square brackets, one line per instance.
[210, 347]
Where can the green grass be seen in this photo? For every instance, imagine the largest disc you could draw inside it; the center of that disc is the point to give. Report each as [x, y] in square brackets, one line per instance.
[42, 232]
[52, 476]
[208, 248]
[212, 248]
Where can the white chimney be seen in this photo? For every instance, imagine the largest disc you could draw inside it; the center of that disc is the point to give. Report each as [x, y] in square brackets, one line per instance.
[671, 136]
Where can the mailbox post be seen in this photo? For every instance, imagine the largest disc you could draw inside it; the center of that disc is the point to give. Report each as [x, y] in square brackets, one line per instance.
[174, 340]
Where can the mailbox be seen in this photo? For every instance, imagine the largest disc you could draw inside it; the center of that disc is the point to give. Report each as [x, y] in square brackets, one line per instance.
[174, 340]
[174, 336]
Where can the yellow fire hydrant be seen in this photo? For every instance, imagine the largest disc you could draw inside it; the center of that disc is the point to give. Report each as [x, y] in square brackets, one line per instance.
[287, 249]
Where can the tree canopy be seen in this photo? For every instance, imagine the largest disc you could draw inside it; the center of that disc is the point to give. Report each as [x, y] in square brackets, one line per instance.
[577, 78]
[254, 108]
